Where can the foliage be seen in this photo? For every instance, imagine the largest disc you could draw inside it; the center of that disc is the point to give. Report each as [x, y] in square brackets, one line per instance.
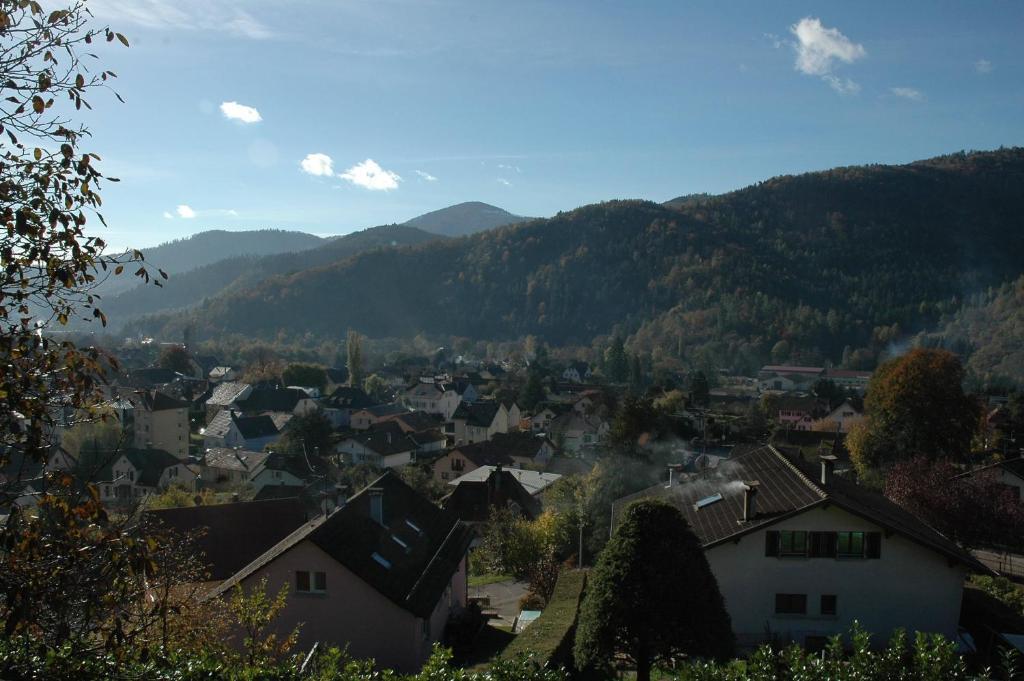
[974, 510]
[509, 544]
[616, 362]
[532, 392]
[176, 358]
[307, 434]
[376, 388]
[255, 611]
[915, 406]
[354, 362]
[305, 375]
[420, 476]
[1002, 589]
[548, 640]
[628, 611]
[177, 496]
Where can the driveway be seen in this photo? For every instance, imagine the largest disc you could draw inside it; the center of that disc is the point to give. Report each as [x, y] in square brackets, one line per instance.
[504, 597]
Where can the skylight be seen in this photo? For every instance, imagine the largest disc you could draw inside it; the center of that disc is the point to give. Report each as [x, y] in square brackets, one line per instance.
[400, 542]
[413, 525]
[382, 560]
[707, 501]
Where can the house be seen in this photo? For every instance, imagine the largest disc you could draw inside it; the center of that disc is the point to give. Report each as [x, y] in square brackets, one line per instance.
[224, 468]
[799, 412]
[274, 398]
[224, 396]
[219, 374]
[540, 422]
[379, 576]
[289, 470]
[785, 378]
[432, 397]
[137, 472]
[472, 501]
[482, 420]
[577, 433]
[336, 378]
[466, 389]
[841, 419]
[533, 482]
[228, 537]
[384, 445]
[160, 422]
[342, 402]
[1009, 472]
[577, 372]
[229, 429]
[511, 450]
[825, 552]
[364, 418]
[857, 381]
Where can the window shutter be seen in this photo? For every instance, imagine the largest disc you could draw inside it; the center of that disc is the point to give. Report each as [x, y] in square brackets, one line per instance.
[873, 545]
[771, 543]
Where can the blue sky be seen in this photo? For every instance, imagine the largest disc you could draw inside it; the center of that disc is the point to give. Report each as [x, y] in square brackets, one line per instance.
[331, 116]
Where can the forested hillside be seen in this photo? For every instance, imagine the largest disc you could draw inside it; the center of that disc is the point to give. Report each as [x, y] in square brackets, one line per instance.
[834, 265]
[241, 272]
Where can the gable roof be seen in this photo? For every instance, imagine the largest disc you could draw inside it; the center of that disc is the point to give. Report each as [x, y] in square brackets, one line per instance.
[480, 414]
[787, 488]
[272, 398]
[150, 464]
[1014, 466]
[226, 393]
[345, 397]
[384, 439]
[416, 421]
[421, 566]
[233, 459]
[533, 482]
[154, 400]
[252, 427]
[472, 500]
[230, 536]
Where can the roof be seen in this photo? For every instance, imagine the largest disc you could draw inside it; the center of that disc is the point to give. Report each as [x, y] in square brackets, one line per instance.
[233, 459]
[421, 389]
[349, 398]
[252, 427]
[382, 410]
[337, 375]
[480, 414]
[272, 398]
[233, 535]
[279, 492]
[533, 482]
[808, 403]
[429, 548]
[302, 467]
[416, 421]
[846, 373]
[473, 500]
[788, 369]
[154, 400]
[150, 463]
[787, 487]
[226, 393]
[1015, 466]
[384, 439]
[573, 420]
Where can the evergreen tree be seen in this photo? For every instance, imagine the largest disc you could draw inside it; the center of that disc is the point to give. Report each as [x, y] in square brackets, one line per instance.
[637, 606]
[532, 393]
[616, 363]
[354, 361]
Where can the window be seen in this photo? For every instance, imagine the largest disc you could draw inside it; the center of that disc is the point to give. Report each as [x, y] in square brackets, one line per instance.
[792, 543]
[790, 604]
[823, 544]
[444, 476]
[307, 582]
[302, 581]
[850, 544]
[320, 581]
[382, 561]
[828, 604]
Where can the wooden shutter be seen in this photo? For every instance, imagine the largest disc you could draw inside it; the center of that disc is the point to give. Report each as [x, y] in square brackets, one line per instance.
[873, 545]
[771, 543]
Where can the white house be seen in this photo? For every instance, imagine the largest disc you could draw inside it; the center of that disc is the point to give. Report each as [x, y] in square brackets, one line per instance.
[137, 472]
[229, 429]
[385, 446]
[799, 554]
[482, 420]
[785, 378]
[433, 398]
[577, 372]
[575, 432]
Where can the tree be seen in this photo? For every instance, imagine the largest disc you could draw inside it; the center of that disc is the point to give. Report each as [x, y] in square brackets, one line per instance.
[377, 388]
[176, 358]
[634, 426]
[255, 612]
[532, 392]
[700, 389]
[308, 434]
[616, 363]
[629, 611]
[915, 406]
[305, 375]
[354, 363]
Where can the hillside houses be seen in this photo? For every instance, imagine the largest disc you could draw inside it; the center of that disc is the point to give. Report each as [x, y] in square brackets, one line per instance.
[432, 397]
[134, 473]
[230, 429]
[482, 420]
[160, 422]
[512, 450]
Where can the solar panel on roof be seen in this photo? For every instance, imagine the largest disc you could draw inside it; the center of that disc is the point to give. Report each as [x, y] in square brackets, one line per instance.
[707, 501]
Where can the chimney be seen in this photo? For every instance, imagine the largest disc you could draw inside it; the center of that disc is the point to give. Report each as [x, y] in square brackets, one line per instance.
[377, 504]
[673, 468]
[389, 438]
[828, 466]
[749, 494]
[497, 477]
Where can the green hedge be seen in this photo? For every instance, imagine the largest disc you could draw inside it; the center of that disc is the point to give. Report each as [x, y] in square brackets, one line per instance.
[548, 641]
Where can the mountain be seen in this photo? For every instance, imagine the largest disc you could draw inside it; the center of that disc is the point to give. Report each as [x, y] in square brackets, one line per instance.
[797, 268]
[464, 218]
[239, 272]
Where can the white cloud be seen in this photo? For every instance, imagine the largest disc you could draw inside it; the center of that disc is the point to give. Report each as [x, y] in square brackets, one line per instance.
[240, 112]
[185, 212]
[983, 66]
[370, 175]
[907, 93]
[317, 164]
[168, 215]
[819, 49]
[502, 180]
[506, 166]
[426, 176]
[188, 15]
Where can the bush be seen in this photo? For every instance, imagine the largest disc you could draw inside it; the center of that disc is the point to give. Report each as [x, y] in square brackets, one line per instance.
[548, 641]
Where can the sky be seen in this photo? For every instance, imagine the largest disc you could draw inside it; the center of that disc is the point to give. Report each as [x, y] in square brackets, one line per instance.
[329, 116]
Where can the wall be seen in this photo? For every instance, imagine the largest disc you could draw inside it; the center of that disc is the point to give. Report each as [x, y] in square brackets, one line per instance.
[166, 429]
[909, 586]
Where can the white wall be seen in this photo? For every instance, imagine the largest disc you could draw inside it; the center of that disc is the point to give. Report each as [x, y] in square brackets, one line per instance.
[909, 586]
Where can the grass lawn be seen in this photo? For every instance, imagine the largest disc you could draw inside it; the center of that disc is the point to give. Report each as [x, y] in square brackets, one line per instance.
[490, 578]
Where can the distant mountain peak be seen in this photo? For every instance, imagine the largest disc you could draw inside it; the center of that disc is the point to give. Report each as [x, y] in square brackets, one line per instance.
[464, 218]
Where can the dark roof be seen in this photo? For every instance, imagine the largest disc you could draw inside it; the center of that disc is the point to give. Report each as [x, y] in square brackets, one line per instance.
[1015, 466]
[473, 500]
[255, 426]
[484, 454]
[419, 572]
[807, 403]
[297, 465]
[272, 398]
[150, 377]
[380, 410]
[154, 400]
[230, 536]
[337, 375]
[151, 464]
[233, 459]
[279, 492]
[479, 414]
[384, 439]
[417, 421]
[349, 398]
[787, 487]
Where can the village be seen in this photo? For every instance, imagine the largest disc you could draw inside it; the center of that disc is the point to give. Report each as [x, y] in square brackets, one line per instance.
[408, 507]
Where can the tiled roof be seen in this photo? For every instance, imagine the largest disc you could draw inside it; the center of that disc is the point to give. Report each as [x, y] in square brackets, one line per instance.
[480, 414]
[429, 551]
[417, 421]
[349, 398]
[533, 482]
[226, 393]
[384, 439]
[154, 400]
[272, 398]
[230, 536]
[150, 463]
[786, 487]
[472, 500]
[255, 426]
[233, 459]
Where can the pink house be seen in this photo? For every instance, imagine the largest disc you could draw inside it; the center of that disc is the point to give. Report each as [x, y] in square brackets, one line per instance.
[381, 575]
